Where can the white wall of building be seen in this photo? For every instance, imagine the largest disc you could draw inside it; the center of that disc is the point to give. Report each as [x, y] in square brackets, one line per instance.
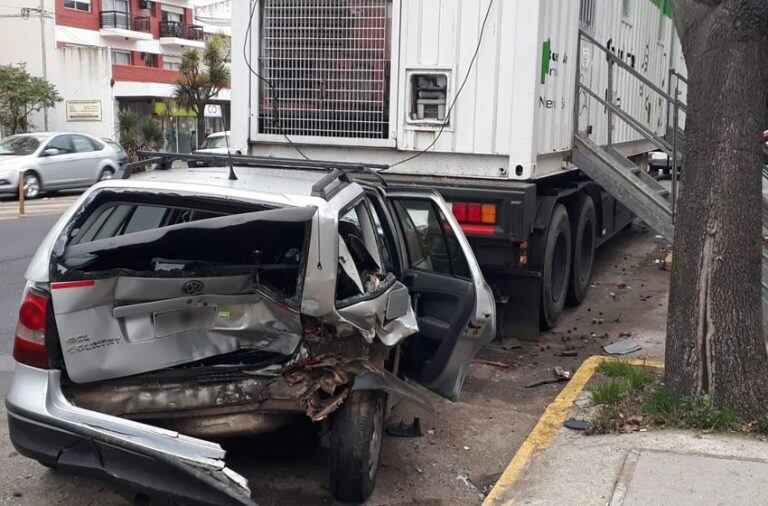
[84, 74]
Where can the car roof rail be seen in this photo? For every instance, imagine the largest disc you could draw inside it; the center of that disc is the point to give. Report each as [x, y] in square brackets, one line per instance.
[340, 172]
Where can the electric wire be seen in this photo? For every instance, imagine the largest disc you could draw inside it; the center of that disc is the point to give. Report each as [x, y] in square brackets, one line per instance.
[455, 97]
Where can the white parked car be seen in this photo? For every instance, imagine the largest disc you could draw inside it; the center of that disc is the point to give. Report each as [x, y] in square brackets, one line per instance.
[54, 161]
[215, 144]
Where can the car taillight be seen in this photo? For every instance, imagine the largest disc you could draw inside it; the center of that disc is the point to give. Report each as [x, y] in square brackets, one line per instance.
[29, 343]
[475, 217]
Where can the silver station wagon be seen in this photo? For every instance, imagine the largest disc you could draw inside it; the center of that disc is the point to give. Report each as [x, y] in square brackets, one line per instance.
[54, 161]
[177, 307]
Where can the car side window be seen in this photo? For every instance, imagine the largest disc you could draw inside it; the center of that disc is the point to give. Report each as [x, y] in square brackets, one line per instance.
[61, 142]
[361, 268]
[81, 144]
[430, 240]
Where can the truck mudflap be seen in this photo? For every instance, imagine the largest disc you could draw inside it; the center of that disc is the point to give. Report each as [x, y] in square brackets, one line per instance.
[45, 426]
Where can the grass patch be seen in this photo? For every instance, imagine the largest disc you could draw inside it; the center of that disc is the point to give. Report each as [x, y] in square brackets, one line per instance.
[631, 398]
[636, 377]
[609, 392]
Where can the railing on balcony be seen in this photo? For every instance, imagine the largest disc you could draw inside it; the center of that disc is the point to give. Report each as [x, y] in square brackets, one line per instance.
[141, 24]
[123, 20]
[180, 30]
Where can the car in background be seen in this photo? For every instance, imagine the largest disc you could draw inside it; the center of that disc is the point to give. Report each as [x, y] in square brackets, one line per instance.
[217, 143]
[122, 156]
[54, 161]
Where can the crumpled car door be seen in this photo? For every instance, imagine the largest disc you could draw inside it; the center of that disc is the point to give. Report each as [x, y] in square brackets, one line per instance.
[455, 307]
[116, 317]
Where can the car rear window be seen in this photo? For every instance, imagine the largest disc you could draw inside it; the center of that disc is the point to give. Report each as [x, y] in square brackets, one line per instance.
[176, 237]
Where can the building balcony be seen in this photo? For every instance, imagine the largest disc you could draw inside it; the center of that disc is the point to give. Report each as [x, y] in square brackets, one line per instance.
[118, 24]
[173, 33]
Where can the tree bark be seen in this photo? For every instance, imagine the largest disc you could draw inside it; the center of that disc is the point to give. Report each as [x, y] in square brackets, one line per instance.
[715, 343]
[200, 127]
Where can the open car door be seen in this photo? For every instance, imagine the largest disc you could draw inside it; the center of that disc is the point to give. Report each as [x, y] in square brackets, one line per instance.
[454, 306]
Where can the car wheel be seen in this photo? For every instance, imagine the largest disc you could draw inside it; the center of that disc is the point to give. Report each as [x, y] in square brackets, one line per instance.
[31, 185]
[356, 436]
[557, 267]
[106, 174]
[584, 230]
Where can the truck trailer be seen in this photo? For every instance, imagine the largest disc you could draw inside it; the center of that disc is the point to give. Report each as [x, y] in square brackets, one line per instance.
[534, 119]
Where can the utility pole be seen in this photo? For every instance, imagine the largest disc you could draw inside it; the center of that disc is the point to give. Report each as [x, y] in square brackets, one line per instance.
[43, 53]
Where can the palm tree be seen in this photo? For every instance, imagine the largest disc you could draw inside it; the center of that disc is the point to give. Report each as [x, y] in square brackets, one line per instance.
[201, 77]
[138, 133]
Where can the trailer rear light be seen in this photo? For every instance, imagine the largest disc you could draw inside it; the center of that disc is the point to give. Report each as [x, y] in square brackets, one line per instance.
[460, 211]
[29, 342]
[474, 212]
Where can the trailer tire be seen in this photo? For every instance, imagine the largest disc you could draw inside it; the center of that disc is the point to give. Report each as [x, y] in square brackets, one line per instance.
[557, 267]
[356, 437]
[584, 229]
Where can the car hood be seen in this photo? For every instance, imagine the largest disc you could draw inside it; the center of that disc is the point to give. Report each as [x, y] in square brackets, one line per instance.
[7, 161]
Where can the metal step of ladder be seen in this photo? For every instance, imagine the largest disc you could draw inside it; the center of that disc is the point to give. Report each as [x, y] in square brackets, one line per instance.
[627, 182]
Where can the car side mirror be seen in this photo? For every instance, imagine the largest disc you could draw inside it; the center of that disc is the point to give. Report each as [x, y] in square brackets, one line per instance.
[397, 302]
[51, 152]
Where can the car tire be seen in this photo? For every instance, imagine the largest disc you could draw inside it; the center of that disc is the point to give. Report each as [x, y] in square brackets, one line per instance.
[106, 174]
[584, 232]
[356, 436]
[32, 186]
[557, 267]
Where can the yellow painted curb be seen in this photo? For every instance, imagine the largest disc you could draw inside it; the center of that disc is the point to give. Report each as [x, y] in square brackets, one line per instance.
[551, 421]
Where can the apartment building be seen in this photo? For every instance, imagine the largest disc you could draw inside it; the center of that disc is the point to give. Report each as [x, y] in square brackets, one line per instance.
[105, 55]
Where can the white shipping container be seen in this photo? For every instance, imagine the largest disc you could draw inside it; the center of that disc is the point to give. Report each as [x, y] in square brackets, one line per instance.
[357, 80]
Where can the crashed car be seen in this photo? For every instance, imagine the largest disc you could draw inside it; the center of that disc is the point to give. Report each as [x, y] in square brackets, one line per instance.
[181, 306]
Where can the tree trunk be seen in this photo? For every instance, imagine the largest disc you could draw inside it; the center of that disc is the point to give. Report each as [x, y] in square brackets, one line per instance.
[200, 126]
[715, 343]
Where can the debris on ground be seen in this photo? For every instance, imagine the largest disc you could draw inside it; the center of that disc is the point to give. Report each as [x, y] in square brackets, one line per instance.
[597, 321]
[403, 429]
[574, 424]
[560, 375]
[567, 353]
[485, 482]
[625, 334]
[621, 347]
[492, 363]
[510, 343]
[632, 423]
[464, 478]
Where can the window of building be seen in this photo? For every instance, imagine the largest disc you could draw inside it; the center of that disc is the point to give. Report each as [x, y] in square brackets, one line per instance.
[428, 98]
[150, 60]
[171, 62]
[587, 13]
[169, 14]
[121, 57]
[333, 85]
[79, 5]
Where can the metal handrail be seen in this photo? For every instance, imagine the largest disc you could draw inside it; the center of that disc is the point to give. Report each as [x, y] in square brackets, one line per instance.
[625, 66]
[612, 109]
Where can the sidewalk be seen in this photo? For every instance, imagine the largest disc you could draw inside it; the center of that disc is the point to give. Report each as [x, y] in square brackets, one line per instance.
[557, 465]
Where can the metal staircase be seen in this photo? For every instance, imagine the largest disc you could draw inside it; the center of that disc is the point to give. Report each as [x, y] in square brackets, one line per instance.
[622, 178]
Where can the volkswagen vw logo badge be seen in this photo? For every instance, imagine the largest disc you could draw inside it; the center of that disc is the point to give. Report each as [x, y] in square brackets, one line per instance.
[193, 287]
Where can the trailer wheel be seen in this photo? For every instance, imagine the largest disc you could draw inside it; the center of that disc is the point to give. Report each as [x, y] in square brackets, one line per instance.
[356, 436]
[557, 267]
[584, 230]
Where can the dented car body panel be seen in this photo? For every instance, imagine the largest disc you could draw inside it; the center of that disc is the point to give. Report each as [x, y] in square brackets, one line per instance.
[213, 307]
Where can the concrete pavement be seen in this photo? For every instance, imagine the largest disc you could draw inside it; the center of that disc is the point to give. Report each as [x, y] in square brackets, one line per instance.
[9, 209]
[557, 465]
